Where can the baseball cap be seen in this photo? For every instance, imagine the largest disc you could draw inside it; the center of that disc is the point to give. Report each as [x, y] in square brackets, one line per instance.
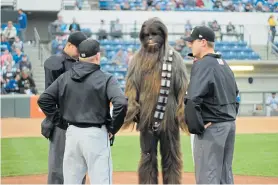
[201, 32]
[88, 48]
[76, 38]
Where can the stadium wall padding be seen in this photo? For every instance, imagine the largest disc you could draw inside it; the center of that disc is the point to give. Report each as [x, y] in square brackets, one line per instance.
[20, 106]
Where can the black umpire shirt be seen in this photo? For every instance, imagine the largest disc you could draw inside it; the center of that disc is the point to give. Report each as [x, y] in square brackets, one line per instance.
[84, 94]
[211, 94]
[56, 65]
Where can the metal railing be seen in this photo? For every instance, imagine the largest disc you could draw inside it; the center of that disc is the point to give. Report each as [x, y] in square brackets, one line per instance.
[271, 48]
[80, 5]
[7, 4]
[175, 31]
[39, 45]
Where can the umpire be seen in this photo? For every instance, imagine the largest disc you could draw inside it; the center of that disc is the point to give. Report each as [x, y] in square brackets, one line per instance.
[54, 66]
[84, 94]
[210, 110]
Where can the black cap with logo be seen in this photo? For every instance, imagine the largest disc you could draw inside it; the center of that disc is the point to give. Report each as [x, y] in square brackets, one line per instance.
[201, 32]
[76, 38]
[88, 48]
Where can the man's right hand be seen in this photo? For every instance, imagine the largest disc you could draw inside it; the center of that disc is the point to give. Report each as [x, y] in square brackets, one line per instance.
[207, 125]
[110, 135]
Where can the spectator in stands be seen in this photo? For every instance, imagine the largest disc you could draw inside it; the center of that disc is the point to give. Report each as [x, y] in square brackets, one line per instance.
[118, 7]
[12, 85]
[144, 6]
[3, 84]
[240, 7]
[272, 27]
[188, 28]
[150, 3]
[271, 104]
[8, 74]
[5, 57]
[189, 4]
[276, 8]
[22, 19]
[126, 6]
[208, 4]
[17, 56]
[116, 29]
[259, 7]
[25, 63]
[217, 29]
[17, 44]
[200, 4]
[231, 31]
[171, 6]
[79, 4]
[5, 44]
[74, 26]
[102, 34]
[249, 7]
[182, 47]
[179, 45]
[26, 83]
[228, 5]
[230, 28]
[10, 32]
[158, 7]
[218, 4]
[59, 24]
[58, 44]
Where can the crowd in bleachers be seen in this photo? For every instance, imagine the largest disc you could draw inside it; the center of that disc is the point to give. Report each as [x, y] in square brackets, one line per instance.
[191, 5]
[119, 51]
[16, 69]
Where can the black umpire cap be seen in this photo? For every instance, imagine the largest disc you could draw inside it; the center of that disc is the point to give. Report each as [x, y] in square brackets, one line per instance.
[88, 48]
[76, 38]
[201, 32]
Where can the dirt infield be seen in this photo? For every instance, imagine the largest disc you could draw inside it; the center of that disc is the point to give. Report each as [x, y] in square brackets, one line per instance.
[15, 127]
[131, 178]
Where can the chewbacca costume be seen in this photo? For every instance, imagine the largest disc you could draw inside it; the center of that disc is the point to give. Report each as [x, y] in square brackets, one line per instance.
[156, 85]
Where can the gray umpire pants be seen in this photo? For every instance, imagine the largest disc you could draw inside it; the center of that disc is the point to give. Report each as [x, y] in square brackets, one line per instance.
[56, 155]
[213, 154]
[87, 150]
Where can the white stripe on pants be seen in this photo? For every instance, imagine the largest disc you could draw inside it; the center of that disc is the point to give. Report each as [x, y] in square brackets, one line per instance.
[87, 150]
[192, 146]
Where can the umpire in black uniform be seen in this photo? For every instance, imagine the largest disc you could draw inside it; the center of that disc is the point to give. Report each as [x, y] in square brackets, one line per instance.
[84, 94]
[211, 109]
[54, 66]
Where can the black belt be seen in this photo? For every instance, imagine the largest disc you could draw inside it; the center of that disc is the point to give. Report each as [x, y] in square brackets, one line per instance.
[85, 125]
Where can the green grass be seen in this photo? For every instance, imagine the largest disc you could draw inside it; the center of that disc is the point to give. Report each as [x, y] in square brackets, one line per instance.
[255, 154]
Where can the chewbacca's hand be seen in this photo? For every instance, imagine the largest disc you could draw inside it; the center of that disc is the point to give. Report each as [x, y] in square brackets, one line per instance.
[137, 118]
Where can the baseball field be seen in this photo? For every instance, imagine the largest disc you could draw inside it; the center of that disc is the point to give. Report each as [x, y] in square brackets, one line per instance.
[24, 153]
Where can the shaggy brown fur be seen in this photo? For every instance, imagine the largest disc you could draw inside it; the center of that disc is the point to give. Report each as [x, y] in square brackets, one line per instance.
[142, 89]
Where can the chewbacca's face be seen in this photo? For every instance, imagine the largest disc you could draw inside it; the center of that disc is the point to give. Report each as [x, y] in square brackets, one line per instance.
[153, 35]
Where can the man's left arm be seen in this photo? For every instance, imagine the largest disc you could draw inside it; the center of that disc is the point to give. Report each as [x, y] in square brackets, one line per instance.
[201, 79]
[48, 101]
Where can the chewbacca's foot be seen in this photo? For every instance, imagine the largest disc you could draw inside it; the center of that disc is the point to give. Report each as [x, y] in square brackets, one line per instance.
[148, 172]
